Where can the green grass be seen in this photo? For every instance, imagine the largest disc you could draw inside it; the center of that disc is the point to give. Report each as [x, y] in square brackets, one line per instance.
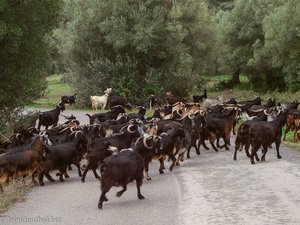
[220, 78]
[244, 92]
[55, 90]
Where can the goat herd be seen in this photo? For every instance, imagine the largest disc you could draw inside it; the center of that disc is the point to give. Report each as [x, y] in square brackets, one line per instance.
[122, 144]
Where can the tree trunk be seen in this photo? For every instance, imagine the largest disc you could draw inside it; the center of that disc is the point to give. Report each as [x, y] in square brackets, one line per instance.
[235, 79]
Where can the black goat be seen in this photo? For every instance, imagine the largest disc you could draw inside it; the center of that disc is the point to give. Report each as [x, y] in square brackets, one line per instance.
[68, 99]
[61, 155]
[140, 115]
[263, 134]
[110, 115]
[114, 100]
[119, 170]
[172, 99]
[98, 148]
[246, 105]
[200, 98]
[155, 101]
[49, 118]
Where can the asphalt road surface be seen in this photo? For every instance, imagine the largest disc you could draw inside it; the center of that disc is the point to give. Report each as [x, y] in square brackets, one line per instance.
[206, 189]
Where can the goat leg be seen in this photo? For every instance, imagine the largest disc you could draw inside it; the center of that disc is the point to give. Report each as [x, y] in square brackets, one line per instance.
[104, 190]
[138, 186]
[95, 173]
[277, 143]
[213, 145]
[41, 178]
[235, 151]
[78, 167]
[119, 193]
[161, 166]
[146, 168]
[48, 176]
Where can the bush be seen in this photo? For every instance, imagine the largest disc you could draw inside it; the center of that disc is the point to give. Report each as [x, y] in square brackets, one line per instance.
[16, 120]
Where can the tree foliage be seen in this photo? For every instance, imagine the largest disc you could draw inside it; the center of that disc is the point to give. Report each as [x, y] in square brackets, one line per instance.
[24, 51]
[281, 48]
[261, 39]
[142, 47]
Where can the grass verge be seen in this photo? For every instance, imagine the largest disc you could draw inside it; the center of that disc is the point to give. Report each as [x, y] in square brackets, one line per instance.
[14, 192]
[56, 88]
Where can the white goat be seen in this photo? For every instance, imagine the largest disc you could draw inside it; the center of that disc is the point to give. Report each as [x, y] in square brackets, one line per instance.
[100, 100]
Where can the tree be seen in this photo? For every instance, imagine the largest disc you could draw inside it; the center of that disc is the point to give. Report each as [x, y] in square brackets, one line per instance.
[139, 47]
[24, 52]
[281, 48]
[240, 32]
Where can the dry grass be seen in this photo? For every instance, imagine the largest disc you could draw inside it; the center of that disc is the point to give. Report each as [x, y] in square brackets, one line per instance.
[14, 192]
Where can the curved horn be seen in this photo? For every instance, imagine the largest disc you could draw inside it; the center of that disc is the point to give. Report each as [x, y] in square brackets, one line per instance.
[228, 105]
[190, 116]
[279, 108]
[279, 111]
[42, 133]
[129, 127]
[241, 105]
[145, 143]
[65, 130]
[17, 135]
[268, 114]
[156, 138]
[257, 110]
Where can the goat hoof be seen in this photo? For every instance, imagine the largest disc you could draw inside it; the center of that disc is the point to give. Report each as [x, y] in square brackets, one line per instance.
[279, 157]
[82, 180]
[42, 184]
[161, 172]
[234, 158]
[148, 178]
[141, 196]
[119, 193]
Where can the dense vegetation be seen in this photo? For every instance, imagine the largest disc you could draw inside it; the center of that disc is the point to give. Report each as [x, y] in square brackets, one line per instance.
[153, 46]
[24, 58]
[143, 47]
[24, 50]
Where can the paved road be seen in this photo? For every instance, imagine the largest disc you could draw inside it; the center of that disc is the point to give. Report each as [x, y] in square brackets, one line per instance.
[206, 189]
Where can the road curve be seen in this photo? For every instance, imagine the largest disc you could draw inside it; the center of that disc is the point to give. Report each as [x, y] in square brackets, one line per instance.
[206, 189]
